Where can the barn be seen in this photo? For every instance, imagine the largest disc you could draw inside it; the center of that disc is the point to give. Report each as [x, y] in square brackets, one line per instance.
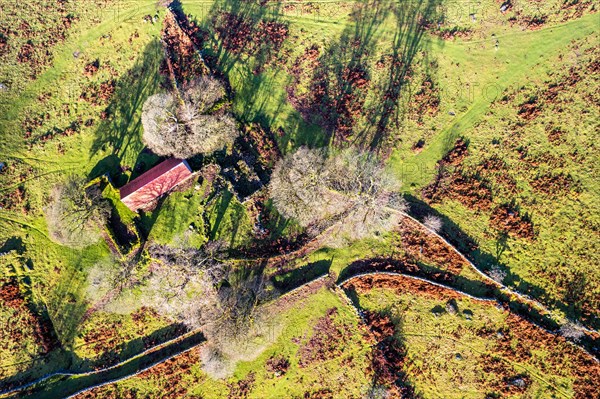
[143, 191]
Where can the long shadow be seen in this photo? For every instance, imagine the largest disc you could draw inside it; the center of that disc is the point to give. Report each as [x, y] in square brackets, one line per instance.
[485, 261]
[63, 387]
[67, 311]
[224, 202]
[472, 287]
[233, 33]
[64, 359]
[390, 350]
[410, 18]
[344, 77]
[237, 43]
[295, 278]
[339, 83]
[120, 130]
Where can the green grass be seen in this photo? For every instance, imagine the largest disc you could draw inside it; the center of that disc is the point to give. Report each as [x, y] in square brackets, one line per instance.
[551, 266]
[293, 327]
[130, 53]
[228, 220]
[447, 354]
[472, 89]
[57, 275]
[112, 194]
[180, 213]
[472, 75]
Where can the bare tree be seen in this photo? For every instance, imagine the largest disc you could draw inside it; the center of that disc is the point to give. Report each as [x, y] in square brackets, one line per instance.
[433, 223]
[497, 274]
[201, 290]
[299, 186]
[195, 288]
[348, 189]
[572, 331]
[181, 125]
[102, 277]
[75, 212]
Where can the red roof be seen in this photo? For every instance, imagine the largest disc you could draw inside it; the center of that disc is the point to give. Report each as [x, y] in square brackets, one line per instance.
[154, 183]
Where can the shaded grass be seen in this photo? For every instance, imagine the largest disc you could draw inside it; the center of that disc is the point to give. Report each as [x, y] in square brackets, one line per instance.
[181, 212]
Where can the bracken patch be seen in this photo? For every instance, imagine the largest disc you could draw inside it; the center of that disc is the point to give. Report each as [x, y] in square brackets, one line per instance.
[327, 341]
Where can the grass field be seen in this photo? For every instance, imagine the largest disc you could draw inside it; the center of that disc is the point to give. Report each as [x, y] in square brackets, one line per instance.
[317, 340]
[473, 96]
[458, 348]
[518, 87]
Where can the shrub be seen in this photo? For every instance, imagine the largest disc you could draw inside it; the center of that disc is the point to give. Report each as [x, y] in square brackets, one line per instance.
[572, 331]
[497, 274]
[102, 277]
[433, 223]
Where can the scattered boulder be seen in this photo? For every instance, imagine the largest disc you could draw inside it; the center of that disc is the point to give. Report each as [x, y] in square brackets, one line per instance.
[452, 306]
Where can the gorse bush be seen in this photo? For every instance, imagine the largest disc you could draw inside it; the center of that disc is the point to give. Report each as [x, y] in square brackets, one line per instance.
[181, 125]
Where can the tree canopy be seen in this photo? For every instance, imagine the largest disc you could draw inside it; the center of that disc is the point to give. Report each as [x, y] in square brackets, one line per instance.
[182, 124]
[75, 212]
[348, 188]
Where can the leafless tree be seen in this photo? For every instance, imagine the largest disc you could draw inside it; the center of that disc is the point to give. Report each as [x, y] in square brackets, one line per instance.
[299, 186]
[432, 222]
[572, 331]
[102, 277]
[497, 274]
[349, 190]
[181, 124]
[75, 212]
[199, 288]
[201, 291]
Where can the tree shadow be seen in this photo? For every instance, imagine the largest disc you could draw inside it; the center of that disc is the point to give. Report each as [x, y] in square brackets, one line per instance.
[345, 79]
[410, 28]
[68, 310]
[120, 130]
[389, 352]
[64, 386]
[13, 244]
[239, 39]
[294, 278]
[233, 34]
[224, 202]
[339, 83]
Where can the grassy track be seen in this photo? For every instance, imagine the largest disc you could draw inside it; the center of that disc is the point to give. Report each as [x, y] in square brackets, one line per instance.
[508, 67]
